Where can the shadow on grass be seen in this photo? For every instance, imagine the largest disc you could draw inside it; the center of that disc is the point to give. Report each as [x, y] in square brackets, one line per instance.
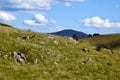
[110, 45]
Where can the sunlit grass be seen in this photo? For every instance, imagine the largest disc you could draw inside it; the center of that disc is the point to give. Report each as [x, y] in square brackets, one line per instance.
[65, 61]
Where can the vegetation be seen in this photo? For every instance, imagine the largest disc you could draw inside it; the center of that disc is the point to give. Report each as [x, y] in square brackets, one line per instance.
[6, 25]
[75, 37]
[64, 60]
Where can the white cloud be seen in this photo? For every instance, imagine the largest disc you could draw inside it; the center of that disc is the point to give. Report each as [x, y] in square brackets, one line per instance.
[25, 4]
[32, 23]
[75, 0]
[33, 4]
[100, 23]
[39, 20]
[6, 17]
[69, 2]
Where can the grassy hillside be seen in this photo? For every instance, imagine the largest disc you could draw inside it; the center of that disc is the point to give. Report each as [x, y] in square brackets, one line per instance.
[111, 41]
[58, 57]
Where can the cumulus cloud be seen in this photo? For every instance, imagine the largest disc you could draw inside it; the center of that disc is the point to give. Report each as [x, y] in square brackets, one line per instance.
[69, 2]
[32, 4]
[25, 4]
[39, 20]
[32, 23]
[6, 17]
[100, 23]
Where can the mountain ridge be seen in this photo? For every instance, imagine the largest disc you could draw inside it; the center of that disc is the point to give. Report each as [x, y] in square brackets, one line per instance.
[70, 33]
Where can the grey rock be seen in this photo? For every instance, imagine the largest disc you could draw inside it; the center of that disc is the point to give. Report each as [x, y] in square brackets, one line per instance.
[48, 53]
[25, 37]
[72, 40]
[55, 42]
[19, 57]
[83, 62]
[108, 50]
[51, 36]
[91, 60]
[5, 57]
[85, 50]
[35, 61]
[42, 43]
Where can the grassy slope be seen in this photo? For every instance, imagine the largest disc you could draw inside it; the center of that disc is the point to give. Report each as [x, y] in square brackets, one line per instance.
[66, 61]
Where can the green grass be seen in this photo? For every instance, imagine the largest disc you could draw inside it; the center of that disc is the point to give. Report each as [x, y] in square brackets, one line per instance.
[66, 61]
[111, 41]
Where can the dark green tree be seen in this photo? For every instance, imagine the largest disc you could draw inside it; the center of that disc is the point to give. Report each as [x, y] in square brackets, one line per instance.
[74, 36]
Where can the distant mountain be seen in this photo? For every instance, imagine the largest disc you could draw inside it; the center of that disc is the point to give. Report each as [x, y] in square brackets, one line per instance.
[69, 33]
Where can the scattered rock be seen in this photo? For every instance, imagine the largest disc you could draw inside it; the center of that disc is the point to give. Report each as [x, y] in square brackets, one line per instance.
[25, 37]
[42, 43]
[108, 50]
[35, 61]
[85, 50]
[48, 52]
[55, 63]
[42, 57]
[91, 60]
[5, 57]
[101, 71]
[55, 42]
[83, 62]
[60, 47]
[72, 40]
[19, 57]
[51, 36]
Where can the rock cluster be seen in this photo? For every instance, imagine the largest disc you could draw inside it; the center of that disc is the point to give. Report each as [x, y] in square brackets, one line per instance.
[19, 57]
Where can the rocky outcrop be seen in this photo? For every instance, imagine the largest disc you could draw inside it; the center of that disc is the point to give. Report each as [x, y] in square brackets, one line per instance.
[19, 57]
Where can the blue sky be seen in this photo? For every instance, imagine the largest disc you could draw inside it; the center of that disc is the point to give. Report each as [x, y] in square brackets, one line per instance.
[89, 16]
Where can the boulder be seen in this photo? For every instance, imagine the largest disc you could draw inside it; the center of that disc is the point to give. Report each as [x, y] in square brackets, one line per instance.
[25, 37]
[42, 43]
[55, 42]
[85, 50]
[19, 57]
[72, 40]
[108, 50]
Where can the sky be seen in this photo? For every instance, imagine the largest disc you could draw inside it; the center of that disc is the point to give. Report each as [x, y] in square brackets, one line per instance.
[46, 16]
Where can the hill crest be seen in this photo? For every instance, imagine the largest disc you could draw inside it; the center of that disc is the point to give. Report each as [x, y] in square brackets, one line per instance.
[70, 33]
